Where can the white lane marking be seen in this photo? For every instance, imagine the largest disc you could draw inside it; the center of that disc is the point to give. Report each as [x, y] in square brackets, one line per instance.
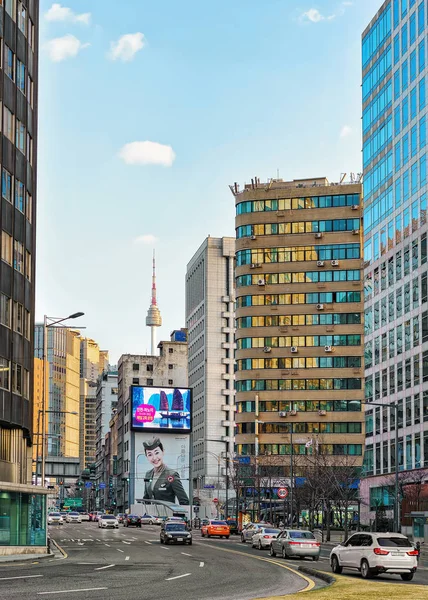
[123, 542]
[119, 550]
[98, 540]
[201, 564]
[89, 563]
[177, 577]
[163, 548]
[107, 545]
[21, 577]
[127, 558]
[149, 543]
[106, 567]
[185, 554]
[72, 591]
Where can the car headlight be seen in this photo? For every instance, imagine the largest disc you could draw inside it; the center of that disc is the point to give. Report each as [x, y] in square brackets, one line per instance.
[169, 535]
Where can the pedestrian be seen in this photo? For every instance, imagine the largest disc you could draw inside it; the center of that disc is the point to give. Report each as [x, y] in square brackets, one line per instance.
[418, 548]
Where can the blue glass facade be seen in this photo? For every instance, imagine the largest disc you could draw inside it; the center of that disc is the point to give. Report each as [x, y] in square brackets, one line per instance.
[394, 78]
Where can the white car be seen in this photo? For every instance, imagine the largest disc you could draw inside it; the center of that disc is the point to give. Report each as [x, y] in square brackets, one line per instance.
[249, 531]
[263, 537]
[55, 518]
[73, 517]
[105, 521]
[375, 553]
[84, 516]
[150, 520]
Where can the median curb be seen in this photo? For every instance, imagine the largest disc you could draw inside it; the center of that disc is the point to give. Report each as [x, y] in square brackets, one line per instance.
[318, 574]
[23, 558]
[58, 547]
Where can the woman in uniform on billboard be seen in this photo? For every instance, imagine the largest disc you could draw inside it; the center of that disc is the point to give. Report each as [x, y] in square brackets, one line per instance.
[161, 482]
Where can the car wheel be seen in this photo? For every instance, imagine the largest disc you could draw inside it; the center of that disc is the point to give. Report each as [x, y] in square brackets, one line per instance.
[208, 535]
[202, 534]
[407, 576]
[227, 537]
[190, 543]
[243, 540]
[284, 553]
[260, 545]
[271, 551]
[335, 567]
[150, 522]
[315, 558]
[365, 570]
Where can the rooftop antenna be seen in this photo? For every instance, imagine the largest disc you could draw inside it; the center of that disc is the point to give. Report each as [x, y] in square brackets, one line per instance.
[153, 318]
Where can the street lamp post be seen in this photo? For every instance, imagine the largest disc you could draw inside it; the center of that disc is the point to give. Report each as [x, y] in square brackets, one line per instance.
[393, 405]
[46, 325]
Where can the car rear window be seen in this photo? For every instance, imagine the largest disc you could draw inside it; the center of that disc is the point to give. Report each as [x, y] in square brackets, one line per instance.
[267, 530]
[218, 523]
[74, 514]
[232, 523]
[175, 527]
[108, 517]
[306, 535]
[394, 542]
[54, 515]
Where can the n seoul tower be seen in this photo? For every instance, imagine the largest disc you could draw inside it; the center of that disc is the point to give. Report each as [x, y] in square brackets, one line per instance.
[153, 318]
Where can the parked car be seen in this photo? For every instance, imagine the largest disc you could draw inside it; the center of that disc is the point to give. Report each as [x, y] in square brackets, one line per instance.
[291, 543]
[216, 528]
[132, 521]
[173, 532]
[84, 516]
[150, 520]
[73, 517]
[105, 521]
[55, 518]
[263, 537]
[375, 553]
[233, 526]
[249, 530]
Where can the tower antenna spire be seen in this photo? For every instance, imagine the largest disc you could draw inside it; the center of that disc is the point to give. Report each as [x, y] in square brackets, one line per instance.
[153, 318]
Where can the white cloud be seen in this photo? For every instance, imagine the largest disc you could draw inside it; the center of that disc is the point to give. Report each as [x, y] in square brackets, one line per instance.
[313, 15]
[147, 153]
[127, 46]
[64, 47]
[345, 131]
[147, 238]
[57, 12]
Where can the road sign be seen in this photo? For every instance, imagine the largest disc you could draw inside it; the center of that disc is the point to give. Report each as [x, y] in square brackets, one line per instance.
[209, 487]
[282, 493]
[75, 502]
[102, 486]
[88, 484]
[215, 500]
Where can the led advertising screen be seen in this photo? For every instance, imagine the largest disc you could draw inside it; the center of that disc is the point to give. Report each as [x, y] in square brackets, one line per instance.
[164, 409]
[162, 467]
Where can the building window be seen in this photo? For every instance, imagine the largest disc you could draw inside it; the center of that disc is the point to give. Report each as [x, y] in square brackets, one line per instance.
[135, 381]
[29, 149]
[4, 374]
[135, 367]
[20, 75]
[8, 125]
[18, 317]
[150, 382]
[114, 391]
[20, 136]
[16, 378]
[170, 367]
[170, 381]
[9, 63]
[19, 195]
[5, 310]
[6, 185]
[22, 18]
[27, 325]
[18, 262]
[170, 350]
[26, 384]
[28, 265]
[6, 247]
[10, 7]
[30, 91]
[31, 34]
[29, 207]
[149, 367]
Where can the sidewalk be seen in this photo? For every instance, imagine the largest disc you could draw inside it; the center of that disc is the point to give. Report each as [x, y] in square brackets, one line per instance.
[53, 554]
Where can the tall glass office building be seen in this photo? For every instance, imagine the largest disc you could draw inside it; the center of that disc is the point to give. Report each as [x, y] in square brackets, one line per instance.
[394, 63]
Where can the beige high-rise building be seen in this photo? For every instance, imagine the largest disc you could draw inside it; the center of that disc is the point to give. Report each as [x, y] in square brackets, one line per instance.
[38, 391]
[299, 319]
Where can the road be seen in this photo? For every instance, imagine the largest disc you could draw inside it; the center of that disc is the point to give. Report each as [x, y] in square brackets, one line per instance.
[131, 564]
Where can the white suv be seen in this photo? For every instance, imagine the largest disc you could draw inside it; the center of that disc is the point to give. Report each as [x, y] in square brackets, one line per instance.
[375, 553]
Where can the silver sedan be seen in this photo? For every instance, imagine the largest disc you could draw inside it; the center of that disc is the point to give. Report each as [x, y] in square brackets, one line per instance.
[264, 536]
[293, 543]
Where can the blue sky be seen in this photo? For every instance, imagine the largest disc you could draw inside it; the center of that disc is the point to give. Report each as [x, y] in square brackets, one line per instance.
[223, 91]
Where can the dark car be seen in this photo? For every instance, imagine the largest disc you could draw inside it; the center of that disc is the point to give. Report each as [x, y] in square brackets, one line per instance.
[131, 521]
[233, 526]
[175, 533]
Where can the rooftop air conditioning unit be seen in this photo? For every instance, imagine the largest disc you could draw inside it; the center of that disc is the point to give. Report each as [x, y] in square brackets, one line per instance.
[253, 237]
[282, 414]
[261, 282]
[328, 349]
[355, 207]
[334, 263]
[293, 349]
[267, 349]
[318, 236]
[322, 413]
[356, 231]
[320, 263]
[293, 413]
[320, 306]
